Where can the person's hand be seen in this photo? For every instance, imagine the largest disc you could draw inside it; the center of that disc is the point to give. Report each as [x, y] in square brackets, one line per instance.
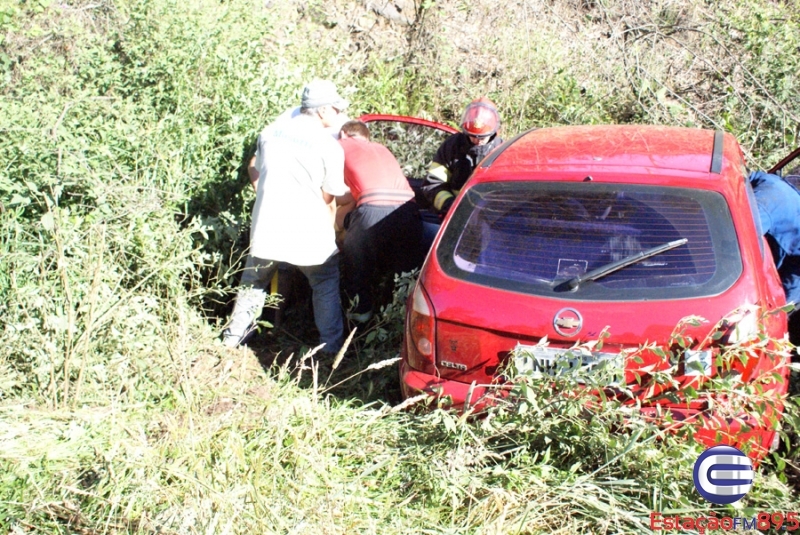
[343, 216]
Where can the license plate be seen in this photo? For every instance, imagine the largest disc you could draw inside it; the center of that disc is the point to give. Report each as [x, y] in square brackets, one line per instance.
[578, 363]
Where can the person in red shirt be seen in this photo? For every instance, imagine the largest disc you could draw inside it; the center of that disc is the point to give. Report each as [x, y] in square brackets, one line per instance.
[385, 228]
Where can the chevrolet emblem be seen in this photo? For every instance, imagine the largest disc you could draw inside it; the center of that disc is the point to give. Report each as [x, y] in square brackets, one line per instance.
[568, 323]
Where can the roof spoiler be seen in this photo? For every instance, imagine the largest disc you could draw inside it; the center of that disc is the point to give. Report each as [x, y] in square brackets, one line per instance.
[716, 153]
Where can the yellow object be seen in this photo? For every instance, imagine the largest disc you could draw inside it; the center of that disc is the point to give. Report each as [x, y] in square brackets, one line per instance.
[273, 285]
[441, 198]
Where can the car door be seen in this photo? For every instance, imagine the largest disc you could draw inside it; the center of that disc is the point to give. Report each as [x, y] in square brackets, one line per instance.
[789, 168]
[414, 142]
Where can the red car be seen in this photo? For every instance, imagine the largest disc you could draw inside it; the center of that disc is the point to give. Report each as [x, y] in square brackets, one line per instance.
[564, 233]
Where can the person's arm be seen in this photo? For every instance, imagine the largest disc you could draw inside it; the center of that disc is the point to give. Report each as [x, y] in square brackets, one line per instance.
[345, 200]
[333, 185]
[345, 204]
[339, 202]
[436, 187]
[330, 202]
[256, 163]
[252, 172]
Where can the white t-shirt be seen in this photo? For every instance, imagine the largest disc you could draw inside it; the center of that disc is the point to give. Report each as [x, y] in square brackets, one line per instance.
[296, 160]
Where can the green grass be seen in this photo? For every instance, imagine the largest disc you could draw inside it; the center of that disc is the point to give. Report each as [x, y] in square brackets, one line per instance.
[234, 448]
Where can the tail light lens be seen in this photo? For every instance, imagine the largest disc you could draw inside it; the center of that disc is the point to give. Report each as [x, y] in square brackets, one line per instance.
[739, 328]
[421, 332]
[738, 333]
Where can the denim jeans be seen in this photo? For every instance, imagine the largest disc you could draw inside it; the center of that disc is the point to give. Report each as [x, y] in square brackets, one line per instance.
[324, 281]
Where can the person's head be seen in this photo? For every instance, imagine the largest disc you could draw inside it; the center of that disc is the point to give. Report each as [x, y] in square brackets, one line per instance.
[480, 121]
[321, 99]
[355, 130]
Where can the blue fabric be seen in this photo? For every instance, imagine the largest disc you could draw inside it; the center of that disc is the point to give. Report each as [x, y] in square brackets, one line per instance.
[324, 281]
[779, 210]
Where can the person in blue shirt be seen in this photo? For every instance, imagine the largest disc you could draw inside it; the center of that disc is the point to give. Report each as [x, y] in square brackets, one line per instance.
[779, 210]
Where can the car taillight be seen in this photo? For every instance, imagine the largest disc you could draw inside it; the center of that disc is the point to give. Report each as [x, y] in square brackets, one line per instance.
[739, 328]
[737, 333]
[421, 331]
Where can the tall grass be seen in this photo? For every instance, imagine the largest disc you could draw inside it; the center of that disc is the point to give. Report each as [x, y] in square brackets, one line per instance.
[124, 208]
[237, 450]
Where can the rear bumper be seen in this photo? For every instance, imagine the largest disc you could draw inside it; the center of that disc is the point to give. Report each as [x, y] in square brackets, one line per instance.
[449, 393]
[712, 429]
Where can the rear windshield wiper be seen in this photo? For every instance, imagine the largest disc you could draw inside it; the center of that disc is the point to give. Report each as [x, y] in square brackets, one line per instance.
[611, 267]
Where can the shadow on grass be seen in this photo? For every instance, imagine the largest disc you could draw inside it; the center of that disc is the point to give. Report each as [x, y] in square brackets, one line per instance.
[223, 206]
[296, 336]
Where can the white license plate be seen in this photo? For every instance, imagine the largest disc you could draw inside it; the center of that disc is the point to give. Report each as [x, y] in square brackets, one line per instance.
[576, 362]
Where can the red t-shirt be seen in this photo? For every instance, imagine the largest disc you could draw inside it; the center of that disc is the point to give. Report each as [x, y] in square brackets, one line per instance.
[372, 173]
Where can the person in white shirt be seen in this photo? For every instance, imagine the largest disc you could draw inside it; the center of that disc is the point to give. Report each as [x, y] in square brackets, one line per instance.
[297, 173]
[333, 129]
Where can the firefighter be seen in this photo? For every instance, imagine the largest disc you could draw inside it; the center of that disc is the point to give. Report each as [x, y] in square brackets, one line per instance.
[458, 156]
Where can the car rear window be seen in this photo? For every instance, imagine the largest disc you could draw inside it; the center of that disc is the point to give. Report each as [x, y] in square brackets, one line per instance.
[545, 238]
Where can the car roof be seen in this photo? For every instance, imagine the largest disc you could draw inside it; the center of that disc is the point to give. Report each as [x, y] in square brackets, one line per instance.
[639, 147]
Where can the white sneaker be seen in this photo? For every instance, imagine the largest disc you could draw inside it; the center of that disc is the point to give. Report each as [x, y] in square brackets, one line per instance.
[230, 340]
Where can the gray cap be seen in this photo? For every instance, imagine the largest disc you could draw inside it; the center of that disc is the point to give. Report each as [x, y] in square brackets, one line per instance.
[322, 93]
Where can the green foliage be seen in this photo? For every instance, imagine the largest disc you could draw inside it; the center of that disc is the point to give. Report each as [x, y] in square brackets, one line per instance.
[770, 35]
[243, 451]
[122, 182]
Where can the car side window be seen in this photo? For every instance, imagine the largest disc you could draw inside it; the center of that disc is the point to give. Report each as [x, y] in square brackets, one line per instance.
[793, 175]
[789, 169]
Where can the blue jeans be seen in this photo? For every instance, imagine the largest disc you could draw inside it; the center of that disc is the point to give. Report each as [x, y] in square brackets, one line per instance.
[324, 281]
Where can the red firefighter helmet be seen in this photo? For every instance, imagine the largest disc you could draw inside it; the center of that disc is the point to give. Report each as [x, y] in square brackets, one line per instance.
[480, 119]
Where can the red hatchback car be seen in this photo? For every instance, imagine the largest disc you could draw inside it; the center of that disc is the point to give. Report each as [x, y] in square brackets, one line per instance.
[562, 234]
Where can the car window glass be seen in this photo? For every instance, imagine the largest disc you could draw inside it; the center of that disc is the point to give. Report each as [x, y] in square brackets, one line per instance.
[540, 234]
